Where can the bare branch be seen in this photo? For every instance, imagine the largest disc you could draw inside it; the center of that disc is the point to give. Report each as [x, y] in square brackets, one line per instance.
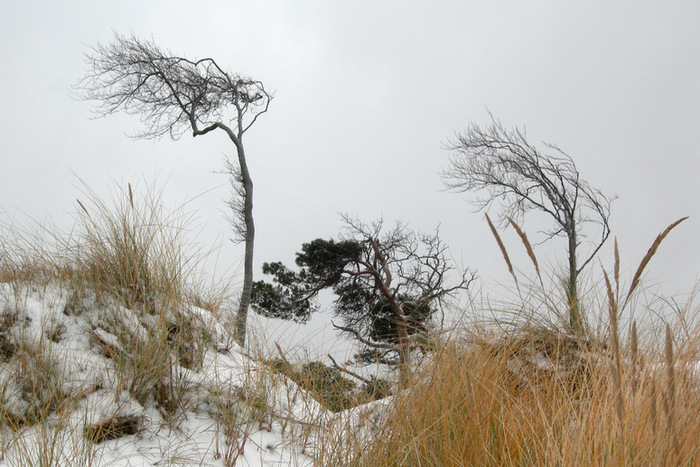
[358, 336]
[236, 202]
[171, 94]
[348, 372]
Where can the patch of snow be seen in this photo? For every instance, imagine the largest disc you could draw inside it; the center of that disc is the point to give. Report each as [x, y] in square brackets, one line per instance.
[287, 430]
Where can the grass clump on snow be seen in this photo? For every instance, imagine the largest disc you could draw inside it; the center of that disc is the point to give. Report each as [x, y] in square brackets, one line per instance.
[103, 336]
[327, 385]
[133, 250]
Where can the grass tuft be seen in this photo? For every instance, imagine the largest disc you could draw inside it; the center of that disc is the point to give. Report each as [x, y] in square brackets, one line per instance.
[114, 428]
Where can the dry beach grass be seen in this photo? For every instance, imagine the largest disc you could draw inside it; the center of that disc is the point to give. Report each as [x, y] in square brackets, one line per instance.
[534, 395]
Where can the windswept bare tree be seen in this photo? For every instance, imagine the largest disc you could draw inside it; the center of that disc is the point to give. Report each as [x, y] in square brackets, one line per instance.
[517, 177]
[174, 95]
[387, 286]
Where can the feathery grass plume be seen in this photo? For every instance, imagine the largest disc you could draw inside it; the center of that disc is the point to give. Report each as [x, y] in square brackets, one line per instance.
[82, 206]
[612, 303]
[503, 250]
[528, 246]
[650, 253]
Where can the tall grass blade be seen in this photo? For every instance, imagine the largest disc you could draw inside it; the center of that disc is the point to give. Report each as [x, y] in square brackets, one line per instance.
[636, 363]
[615, 368]
[617, 270]
[670, 394]
[653, 414]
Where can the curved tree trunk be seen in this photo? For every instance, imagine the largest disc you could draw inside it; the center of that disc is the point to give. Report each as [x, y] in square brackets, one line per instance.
[242, 315]
[173, 94]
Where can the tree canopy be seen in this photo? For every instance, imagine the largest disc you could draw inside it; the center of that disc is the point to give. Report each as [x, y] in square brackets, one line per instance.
[171, 94]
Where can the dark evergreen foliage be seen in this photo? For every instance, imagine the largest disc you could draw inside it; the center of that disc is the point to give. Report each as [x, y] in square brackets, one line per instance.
[321, 264]
[327, 264]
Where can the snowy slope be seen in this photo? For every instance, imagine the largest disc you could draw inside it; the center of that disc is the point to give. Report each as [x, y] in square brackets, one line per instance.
[226, 409]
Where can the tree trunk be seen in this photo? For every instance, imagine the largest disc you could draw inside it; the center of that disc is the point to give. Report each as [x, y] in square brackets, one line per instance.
[399, 318]
[242, 315]
[404, 348]
[404, 341]
[575, 324]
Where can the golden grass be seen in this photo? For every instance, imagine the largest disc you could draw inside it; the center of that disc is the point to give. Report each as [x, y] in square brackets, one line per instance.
[496, 402]
[531, 394]
[132, 248]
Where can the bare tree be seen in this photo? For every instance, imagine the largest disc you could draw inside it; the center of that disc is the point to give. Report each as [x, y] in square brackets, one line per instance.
[386, 285]
[173, 95]
[519, 178]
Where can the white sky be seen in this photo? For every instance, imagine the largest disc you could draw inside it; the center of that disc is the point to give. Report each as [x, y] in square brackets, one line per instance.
[367, 94]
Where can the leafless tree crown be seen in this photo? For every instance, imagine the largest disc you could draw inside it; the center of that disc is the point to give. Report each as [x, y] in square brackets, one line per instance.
[171, 94]
[518, 178]
[409, 263]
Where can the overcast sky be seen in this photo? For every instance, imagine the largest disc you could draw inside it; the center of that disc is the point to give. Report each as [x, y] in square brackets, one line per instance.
[367, 94]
